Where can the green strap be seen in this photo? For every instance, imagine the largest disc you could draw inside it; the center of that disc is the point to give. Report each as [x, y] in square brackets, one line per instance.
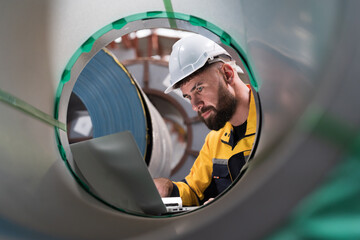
[170, 13]
[329, 127]
[29, 109]
[331, 211]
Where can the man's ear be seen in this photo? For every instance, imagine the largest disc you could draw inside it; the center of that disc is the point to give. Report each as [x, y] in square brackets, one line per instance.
[229, 73]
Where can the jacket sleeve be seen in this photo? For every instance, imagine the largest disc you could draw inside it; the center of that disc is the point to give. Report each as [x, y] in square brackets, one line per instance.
[192, 189]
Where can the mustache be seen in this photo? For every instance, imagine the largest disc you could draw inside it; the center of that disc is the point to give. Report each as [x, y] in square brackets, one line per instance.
[204, 109]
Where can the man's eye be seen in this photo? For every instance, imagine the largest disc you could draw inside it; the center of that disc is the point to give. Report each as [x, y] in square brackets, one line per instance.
[199, 89]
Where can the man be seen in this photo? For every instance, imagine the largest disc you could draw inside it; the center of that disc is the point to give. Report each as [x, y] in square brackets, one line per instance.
[207, 77]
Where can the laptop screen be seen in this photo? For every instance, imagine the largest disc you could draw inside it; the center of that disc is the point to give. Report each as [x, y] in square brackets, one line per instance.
[116, 172]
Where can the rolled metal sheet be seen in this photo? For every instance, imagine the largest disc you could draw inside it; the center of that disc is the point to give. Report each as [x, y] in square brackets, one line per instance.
[116, 103]
[112, 99]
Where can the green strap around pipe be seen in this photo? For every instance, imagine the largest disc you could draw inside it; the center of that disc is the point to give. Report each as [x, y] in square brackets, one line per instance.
[332, 211]
[30, 110]
[170, 13]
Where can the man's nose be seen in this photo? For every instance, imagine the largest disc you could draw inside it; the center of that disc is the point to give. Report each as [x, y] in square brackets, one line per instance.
[196, 104]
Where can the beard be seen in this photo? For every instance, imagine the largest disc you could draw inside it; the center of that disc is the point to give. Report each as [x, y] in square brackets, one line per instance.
[224, 111]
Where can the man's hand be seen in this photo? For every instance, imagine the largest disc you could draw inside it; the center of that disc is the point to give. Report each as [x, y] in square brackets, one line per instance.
[164, 186]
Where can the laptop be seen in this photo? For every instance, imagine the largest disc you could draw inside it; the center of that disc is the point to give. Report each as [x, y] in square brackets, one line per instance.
[115, 171]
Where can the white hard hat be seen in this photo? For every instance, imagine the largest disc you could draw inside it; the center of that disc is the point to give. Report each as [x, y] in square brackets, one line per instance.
[190, 54]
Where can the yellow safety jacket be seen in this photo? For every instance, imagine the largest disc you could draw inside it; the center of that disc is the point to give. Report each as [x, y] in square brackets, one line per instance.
[219, 162]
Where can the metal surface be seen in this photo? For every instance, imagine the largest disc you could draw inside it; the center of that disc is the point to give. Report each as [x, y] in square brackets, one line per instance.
[304, 55]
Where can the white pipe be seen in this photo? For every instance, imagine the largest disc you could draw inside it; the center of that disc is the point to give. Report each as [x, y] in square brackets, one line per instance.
[296, 51]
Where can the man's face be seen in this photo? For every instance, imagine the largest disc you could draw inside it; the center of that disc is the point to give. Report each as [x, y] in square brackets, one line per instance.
[223, 112]
[210, 98]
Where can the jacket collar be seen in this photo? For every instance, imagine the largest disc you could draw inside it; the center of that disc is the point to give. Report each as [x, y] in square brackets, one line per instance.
[228, 130]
